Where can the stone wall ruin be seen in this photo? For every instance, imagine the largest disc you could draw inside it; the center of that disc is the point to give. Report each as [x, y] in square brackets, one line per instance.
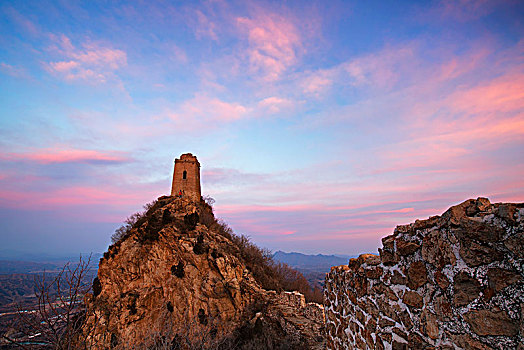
[454, 281]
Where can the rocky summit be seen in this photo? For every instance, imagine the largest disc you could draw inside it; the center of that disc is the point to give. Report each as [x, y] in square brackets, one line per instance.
[177, 279]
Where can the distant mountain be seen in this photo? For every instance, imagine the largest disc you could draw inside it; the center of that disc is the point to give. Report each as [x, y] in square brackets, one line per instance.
[313, 267]
[319, 262]
[19, 255]
[38, 264]
[10, 266]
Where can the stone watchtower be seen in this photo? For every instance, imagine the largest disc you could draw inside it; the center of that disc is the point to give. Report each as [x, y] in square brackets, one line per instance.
[186, 177]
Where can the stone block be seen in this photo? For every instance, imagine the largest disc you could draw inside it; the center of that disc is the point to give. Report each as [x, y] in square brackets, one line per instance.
[399, 346]
[465, 289]
[491, 323]
[387, 257]
[417, 275]
[405, 248]
[475, 254]
[516, 244]
[398, 278]
[436, 250]
[441, 280]
[413, 299]
[498, 278]
[478, 231]
[385, 322]
[374, 272]
[388, 242]
[369, 259]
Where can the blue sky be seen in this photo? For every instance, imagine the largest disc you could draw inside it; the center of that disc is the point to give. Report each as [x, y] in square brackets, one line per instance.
[319, 126]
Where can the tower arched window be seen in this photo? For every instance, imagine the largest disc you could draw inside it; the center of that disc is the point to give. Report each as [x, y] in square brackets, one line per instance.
[184, 175]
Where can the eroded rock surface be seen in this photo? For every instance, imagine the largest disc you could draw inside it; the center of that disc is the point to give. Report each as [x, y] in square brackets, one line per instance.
[454, 281]
[173, 278]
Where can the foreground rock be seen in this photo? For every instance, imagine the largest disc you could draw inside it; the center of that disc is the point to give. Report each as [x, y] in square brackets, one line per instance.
[173, 282]
[452, 281]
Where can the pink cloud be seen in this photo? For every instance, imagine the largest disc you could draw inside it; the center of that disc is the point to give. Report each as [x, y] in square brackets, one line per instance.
[403, 210]
[89, 196]
[179, 54]
[204, 112]
[241, 208]
[288, 232]
[204, 27]
[317, 82]
[359, 206]
[92, 63]
[14, 71]
[101, 56]
[82, 196]
[380, 70]
[457, 66]
[450, 115]
[50, 156]
[274, 43]
[22, 21]
[478, 118]
[107, 199]
[355, 229]
[275, 104]
[499, 95]
[63, 66]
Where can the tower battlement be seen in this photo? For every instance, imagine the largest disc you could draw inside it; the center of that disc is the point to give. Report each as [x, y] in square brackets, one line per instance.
[186, 177]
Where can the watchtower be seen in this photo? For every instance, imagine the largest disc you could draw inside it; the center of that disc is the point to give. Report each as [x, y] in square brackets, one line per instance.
[186, 177]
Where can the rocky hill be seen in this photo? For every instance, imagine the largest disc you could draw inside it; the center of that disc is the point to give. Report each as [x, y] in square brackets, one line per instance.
[454, 281]
[179, 279]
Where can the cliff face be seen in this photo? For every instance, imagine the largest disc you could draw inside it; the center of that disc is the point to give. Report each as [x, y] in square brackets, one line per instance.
[452, 281]
[173, 280]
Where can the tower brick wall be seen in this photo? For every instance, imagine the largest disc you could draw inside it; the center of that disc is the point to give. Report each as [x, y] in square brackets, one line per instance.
[186, 177]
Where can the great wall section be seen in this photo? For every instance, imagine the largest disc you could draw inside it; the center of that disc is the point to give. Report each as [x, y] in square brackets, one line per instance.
[454, 281]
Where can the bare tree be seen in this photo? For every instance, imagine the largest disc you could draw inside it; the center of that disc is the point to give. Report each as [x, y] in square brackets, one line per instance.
[60, 312]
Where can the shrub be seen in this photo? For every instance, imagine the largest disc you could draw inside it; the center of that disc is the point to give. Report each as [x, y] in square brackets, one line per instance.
[292, 279]
[200, 248]
[170, 307]
[191, 220]
[269, 274]
[97, 287]
[131, 221]
[178, 270]
[205, 211]
[209, 200]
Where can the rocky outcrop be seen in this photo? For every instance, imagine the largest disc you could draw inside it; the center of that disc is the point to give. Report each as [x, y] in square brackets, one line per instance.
[174, 280]
[454, 281]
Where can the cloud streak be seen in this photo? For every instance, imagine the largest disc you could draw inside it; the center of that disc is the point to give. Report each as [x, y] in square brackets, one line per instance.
[56, 155]
[274, 43]
[93, 63]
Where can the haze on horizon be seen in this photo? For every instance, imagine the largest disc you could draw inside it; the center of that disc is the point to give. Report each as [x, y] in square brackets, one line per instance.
[319, 126]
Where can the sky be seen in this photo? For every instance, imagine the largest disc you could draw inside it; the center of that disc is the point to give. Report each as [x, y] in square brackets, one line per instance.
[319, 125]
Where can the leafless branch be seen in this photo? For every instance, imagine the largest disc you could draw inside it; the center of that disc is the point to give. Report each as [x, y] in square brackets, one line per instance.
[60, 313]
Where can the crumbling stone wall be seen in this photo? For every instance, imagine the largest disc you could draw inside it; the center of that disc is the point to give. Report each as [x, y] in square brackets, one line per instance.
[450, 282]
[304, 321]
[296, 303]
